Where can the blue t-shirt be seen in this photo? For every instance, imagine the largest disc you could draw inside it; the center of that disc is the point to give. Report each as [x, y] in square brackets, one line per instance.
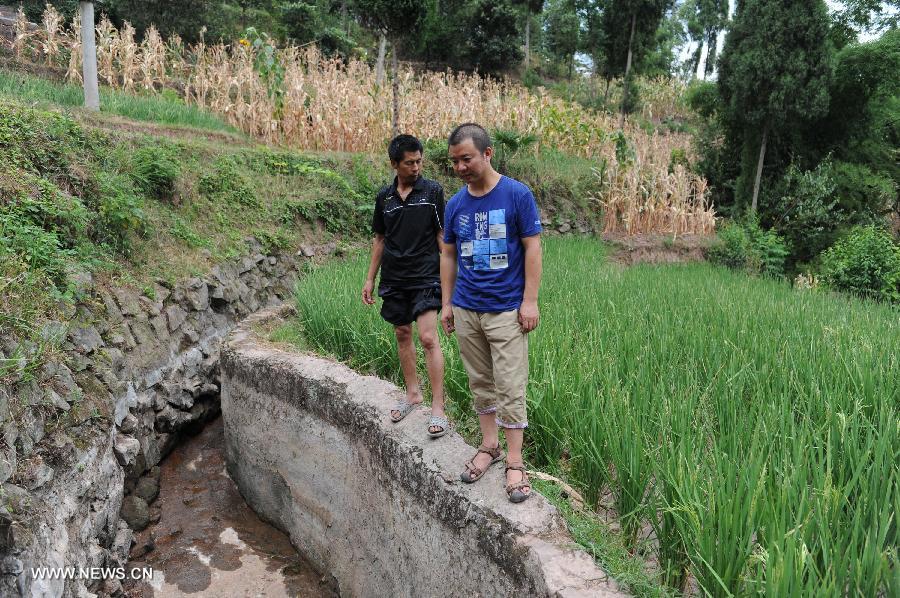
[487, 232]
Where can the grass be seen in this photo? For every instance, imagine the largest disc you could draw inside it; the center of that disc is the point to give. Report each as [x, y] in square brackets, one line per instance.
[745, 430]
[164, 109]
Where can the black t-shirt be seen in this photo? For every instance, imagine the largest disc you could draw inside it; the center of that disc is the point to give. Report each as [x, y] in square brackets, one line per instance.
[411, 258]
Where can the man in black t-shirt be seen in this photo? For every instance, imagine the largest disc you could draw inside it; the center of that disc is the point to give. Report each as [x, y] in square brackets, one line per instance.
[408, 225]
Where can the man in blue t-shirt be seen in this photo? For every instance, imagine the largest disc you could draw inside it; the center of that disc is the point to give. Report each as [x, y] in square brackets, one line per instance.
[490, 275]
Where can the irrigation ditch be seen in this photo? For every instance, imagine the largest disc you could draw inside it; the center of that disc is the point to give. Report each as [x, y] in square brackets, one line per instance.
[85, 436]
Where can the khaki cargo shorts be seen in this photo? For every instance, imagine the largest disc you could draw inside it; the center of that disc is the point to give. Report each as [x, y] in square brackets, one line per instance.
[494, 351]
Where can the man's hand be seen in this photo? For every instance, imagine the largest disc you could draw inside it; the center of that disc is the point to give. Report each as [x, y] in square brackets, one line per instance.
[367, 292]
[529, 316]
[447, 319]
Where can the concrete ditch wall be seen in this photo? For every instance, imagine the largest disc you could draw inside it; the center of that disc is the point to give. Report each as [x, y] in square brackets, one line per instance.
[378, 505]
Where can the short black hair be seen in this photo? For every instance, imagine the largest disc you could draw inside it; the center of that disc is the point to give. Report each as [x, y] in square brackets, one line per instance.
[472, 131]
[401, 144]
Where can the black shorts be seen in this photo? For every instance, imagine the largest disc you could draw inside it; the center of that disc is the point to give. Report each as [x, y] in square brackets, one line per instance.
[402, 306]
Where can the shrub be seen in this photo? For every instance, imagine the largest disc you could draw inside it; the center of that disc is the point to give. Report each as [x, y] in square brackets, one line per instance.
[121, 212]
[37, 248]
[155, 171]
[507, 144]
[749, 248]
[436, 153]
[228, 184]
[806, 209]
[865, 262]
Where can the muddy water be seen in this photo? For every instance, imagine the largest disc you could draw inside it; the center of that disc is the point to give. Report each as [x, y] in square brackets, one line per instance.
[208, 542]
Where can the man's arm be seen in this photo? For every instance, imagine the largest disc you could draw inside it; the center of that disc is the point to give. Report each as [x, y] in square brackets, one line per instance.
[374, 265]
[528, 312]
[448, 281]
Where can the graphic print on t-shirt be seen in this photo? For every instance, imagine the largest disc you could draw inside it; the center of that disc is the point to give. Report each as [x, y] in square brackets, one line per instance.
[487, 251]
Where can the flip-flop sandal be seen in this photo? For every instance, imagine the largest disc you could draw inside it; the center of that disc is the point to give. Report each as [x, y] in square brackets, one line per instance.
[437, 421]
[514, 491]
[473, 473]
[404, 408]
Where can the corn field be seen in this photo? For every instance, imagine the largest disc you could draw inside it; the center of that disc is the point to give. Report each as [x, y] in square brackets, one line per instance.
[327, 104]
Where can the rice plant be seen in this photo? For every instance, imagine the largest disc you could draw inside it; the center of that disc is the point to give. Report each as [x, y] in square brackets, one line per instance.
[747, 430]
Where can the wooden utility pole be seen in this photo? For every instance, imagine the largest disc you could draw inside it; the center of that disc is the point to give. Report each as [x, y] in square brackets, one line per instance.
[89, 57]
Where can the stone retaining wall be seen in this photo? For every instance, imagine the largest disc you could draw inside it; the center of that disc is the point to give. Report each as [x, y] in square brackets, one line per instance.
[376, 504]
[136, 371]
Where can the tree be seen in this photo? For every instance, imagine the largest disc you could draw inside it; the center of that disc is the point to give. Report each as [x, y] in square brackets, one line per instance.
[704, 19]
[398, 20]
[773, 75]
[562, 27]
[492, 36]
[532, 7]
[319, 22]
[629, 28]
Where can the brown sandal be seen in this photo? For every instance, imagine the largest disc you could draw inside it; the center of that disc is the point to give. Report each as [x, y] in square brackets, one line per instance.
[472, 473]
[514, 491]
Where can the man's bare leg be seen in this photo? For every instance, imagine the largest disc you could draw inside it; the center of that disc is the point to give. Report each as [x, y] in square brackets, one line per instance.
[406, 350]
[434, 362]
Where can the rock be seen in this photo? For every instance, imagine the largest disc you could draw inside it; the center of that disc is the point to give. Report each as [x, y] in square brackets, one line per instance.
[171, 420]
[197, 294]
[81, 281]
[122, 543]
[246, 264]
[53, 332]
[51, 397]
[62, 381]
[31, 430]
[183, 397]
[30, 393]
[144, 547]
[192, 360]
[124, 403]
[564, 228]
[306, 251]
[113, 315]
[155, 514]
[160, 327]
[175, 316]
[18, 498]
[10, 565]
[143, 332]
[190, 337]
[150, 306]
[4, 405]
[129, 424]
[155, 473]
[208, 389]
[114, 357]
[135, 512]
[63, 447]
[329, 248]
[126, 449]
[86, 339]
[111, 587]
[147, 488]
[37, 475]
[128, 301]
[7, 464]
